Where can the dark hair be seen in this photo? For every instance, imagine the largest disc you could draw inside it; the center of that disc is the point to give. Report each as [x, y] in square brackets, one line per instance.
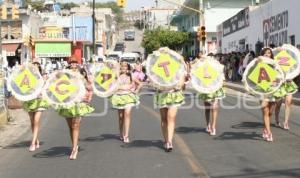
[39, 66]
[272, 45]
[264, 50]
[128, 68]
[252, 53]
[83, 72]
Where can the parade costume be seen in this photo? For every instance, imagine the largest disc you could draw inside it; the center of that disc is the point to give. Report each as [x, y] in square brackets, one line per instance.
[35, 105]
[168, 98]
[125, 96]
[75, 110]
[217, 95]
[78, 109]
[290, 87]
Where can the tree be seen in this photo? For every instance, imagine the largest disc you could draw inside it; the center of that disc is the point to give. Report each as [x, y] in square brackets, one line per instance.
[37, 5]
[68, 5]
[154, 39]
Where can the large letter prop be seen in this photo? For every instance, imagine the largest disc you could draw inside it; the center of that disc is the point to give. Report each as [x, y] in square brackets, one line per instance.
[165, 68]
[288, 57]
[207, 75]
[106, 78]
[263, 76]
[64, 88]
[26, 82]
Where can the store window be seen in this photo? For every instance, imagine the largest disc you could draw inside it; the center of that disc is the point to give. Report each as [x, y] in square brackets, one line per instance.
[292, 40]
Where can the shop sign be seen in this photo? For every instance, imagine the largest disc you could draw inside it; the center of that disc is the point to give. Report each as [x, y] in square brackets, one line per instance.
[236, 23]
[50, 49]
[275, 29]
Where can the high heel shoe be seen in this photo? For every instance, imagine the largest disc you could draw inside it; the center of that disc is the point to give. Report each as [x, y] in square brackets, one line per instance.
[208, 129]
[169, 147]
[74, 153]
[37, 144]
[286, 126]
[213, 132]
[126, 140]
[277, 124]
[32, 148]
[265, 134]
[269, 137]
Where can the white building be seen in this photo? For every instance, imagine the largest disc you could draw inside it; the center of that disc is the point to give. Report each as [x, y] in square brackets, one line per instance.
[276, 22]
[215, 13]
[104, 25]
[157, 17]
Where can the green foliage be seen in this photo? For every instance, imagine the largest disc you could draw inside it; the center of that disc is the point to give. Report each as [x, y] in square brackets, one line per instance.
[115, 9]
[68, 5]
[163, 38]
[38, 5]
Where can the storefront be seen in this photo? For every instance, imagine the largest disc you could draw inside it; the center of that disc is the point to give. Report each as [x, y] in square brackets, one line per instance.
[53, 49]
[12, 52]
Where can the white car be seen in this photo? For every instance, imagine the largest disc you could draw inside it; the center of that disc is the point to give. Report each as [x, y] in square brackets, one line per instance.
[114, 55]
[130, 57]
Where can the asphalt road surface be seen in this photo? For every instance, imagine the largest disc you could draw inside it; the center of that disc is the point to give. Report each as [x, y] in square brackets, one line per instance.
[236, 151]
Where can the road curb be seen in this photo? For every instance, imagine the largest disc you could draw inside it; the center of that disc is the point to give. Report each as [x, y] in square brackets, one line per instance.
[236, 87]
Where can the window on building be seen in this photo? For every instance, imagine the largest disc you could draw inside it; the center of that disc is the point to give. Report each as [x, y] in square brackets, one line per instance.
[193, 22]
[292, 40]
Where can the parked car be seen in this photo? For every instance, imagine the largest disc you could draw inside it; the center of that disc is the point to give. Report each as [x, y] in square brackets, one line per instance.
[114, 55]
[130, 57]
[129, 34]
[120, 46]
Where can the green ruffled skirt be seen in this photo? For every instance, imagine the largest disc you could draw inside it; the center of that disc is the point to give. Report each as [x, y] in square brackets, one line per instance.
[76, 110]
[35, 105]
[287, 88]
[168, 99]
[219, 94]
[290, 87]
[122, 101]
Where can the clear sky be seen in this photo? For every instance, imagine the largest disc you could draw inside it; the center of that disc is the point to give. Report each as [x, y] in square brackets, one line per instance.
[130, 4]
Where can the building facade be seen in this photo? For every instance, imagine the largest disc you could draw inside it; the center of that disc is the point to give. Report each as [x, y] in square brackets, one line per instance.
[104, 26]
[215, 12]
[275, 22]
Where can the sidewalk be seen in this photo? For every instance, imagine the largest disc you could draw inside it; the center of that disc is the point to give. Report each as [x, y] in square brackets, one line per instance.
[238, 86]
[18, 124]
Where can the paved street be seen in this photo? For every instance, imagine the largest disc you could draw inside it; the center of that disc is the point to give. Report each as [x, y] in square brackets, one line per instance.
[134, 45]
[237, 151]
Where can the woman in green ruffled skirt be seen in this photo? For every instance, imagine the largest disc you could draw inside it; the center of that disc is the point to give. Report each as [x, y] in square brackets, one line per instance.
[168, 103]
[35, 108]
[289, 88]
[75, 112]
[268, 104]
[125, 98]
[211, 104]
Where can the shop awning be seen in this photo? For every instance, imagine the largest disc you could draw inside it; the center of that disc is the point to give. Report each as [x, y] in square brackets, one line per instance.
[53, 49]
[10, 48]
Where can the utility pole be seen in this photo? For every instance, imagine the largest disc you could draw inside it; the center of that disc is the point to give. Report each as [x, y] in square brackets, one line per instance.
[0, 38]
[201, 23]
[94, 35]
